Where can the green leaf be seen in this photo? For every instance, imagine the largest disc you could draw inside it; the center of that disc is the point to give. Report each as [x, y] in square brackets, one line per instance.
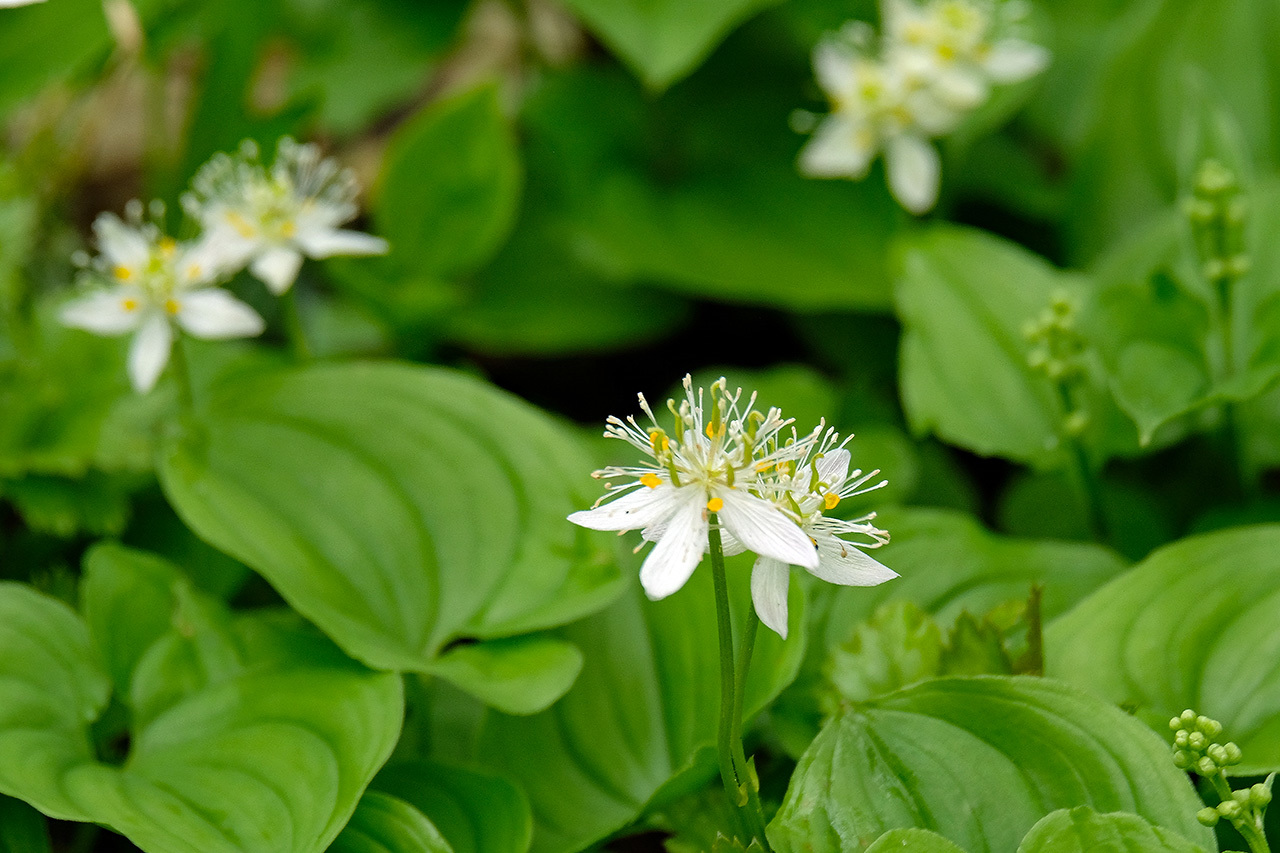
[1083, 830]
[520, 675]
[22, 828]
[477, 812]
[899, 645]
[964, 299]
[912, 841]
[1036, 745]
[948, 563]
[450, 185]
[386, 824]
[664, 40]
[642, 713]
[127, 597]
[399, 508]
[272, 757]
[1189, 627]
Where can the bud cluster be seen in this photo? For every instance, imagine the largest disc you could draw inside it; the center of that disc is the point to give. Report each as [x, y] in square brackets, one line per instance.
[1058, 352]
[1218, 211]
[1196, 748]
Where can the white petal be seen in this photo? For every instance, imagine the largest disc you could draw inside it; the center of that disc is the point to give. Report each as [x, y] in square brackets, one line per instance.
[678, 553]
[840, 148]
[641, 507]
[769, 580]
[149, 352]
[848, 565]
[122, 245]
[9, 4]
[213, 313]
[763, 528]
[1014, 60]
[835, 64]
[222, 251]
[277, 268]
[833, 468]
[961, 89]
[105, 312]
[914, 172]
[326, 242]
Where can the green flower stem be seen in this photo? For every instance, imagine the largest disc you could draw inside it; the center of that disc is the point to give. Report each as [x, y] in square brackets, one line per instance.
[735, 773]
[1085, 475]
[293, 325]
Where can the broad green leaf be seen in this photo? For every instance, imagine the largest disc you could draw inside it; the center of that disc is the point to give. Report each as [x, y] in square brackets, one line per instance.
[476, 812]
[127, 598]
[642, 713]
[912, 841]
[664, 40]
[964, 299]
[450, 185]
[400, 508]
[271, 758]
[97, 503]
[1189, 627]
[386, 824]
[1035, 744]
[1083, 830]
[518, 675]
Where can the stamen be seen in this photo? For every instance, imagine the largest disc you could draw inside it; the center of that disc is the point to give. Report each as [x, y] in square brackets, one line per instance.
[123, 273]
[651, 480]
[129, 305]
[172, 306]
[830, 500]
[715, 505]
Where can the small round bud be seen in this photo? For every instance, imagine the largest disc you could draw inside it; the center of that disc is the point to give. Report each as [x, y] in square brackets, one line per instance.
[1207, 817]
[1175, 723]
[1181, 738]
[1076, 423]
[1188, 718]
[1237, 210]
[1197, 740]
[1260, 795]
[1206, 766]
[1213, 178]
[1212, 728]
[1230, 809]
[1214, 268]
[1183, 760]
[1233, 753]
[1242, 797]
[1218, 753]
[1238, 266]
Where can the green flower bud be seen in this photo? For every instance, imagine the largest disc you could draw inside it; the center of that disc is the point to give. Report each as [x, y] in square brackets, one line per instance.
[1207, 817]
[1233, 753]
[1181, 738]
[1188, 718]
[1175, 723]
[1214, 268]
[1260, 795]
[1242, 797]
[1218, 753]
[1211, 728]
[1076, 423]
[1197, 740]
[1230, 809]
[1206, 766]
[1183, 760]
[1238, 266]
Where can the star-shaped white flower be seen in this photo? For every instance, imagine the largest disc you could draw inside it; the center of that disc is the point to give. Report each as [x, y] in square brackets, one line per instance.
[153, 284]
[269, 219]
[876, 106]
[807, 489]
[706, 466]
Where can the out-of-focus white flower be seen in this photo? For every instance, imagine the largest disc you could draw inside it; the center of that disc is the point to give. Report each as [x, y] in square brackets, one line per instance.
[957, 48]
[936, 63]
[806, 489]
[8, 4]
[153, 282]
[269, 219]
[875, 107]
[708, 465]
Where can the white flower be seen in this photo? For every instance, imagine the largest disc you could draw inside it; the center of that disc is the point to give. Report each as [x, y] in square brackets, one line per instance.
[270, 219]
[154, 282]
[9, 4]
[953, 46]
[876, 106]
[805, 489]
[708, 465]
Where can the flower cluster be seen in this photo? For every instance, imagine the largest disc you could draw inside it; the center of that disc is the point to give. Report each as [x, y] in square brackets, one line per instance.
[765, 487]
[145, 282]
[1196, 748]
[937, 62]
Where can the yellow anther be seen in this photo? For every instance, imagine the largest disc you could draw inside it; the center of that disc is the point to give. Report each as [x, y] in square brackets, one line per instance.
[830, 499]
[123, 273]
[172, 306]
[658, 441]
[288, 229]
[129, 305]
[946, 52]
[715, 504]
[764, 466]
[193, 271]
[651, 480]
[168, 246]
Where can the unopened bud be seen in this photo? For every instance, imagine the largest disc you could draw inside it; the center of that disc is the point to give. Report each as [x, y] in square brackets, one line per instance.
[1212, 728]
[1198, 210]
[1214, 268]
[1076, 423]
[1206, 766]
[1218, 753]
[1213, 178]
[1260, 795]
[1197, 740]
[1183, 759]
[1180, 739]
[1188, 718]
[1207, 817]
[1237, 266]
[1233, 753]
[1230, 809]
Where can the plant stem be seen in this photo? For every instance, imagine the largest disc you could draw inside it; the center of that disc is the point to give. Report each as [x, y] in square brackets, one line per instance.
[1084, 473]
[293, 326]
[734, 770]
[1256, 838]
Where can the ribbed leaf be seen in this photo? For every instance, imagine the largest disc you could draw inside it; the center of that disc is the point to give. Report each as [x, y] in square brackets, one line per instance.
[1082, 830]
[387, 824]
